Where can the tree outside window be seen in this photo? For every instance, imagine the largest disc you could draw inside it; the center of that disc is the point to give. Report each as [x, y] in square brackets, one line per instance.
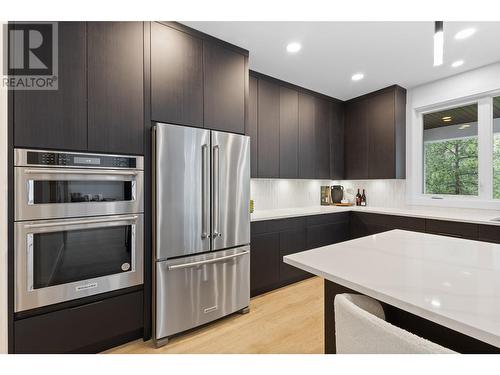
[451, 151]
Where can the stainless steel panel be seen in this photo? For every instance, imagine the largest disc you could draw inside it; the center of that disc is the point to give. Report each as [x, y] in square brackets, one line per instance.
[20, 159]
[181, 191]
[196, 290]
[28, 298]
[24, 209]
[230, 190]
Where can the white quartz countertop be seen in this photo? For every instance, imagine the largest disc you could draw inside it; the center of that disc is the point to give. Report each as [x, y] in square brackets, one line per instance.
[478, 216]
[450, 281]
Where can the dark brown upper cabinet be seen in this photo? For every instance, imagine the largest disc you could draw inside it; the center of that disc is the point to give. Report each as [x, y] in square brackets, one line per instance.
[322, 124]
[251, 128]
[268, 129]
[288, 133]
[115, 87]
[307, 139]
[225, 75]
[375, 135]
[337, 142]
[57, 119]
[356, 141]
[176, 76]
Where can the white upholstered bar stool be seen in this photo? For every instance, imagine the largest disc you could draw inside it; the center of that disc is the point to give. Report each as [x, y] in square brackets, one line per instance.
[360, 328]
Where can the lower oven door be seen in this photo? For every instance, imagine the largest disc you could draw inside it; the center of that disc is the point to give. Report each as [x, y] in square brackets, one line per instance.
[62, 260]
[195, 290]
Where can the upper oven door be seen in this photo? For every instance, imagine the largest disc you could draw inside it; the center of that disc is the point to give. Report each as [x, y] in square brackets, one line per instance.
[49, 193]
[61, 260]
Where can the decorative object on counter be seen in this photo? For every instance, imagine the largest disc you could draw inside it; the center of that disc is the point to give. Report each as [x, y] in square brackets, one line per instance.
[326, 196]
[337, 193]
[358, 199]
[252, 208]
[363, 199]
[344, 204]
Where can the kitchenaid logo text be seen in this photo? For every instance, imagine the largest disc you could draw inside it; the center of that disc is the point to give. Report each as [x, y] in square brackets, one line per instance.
[31, 59]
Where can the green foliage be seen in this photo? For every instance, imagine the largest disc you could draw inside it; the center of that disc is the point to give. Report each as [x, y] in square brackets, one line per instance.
[451, 167]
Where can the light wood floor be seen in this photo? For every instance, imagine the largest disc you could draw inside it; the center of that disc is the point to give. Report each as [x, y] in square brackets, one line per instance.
[287, 320]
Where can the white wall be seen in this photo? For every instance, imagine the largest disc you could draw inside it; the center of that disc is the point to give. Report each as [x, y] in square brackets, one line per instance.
[446, 92]
[270, 194]
[3, 205]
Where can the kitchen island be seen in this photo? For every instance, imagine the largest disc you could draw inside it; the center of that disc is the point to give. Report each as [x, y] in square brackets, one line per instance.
[444, 289]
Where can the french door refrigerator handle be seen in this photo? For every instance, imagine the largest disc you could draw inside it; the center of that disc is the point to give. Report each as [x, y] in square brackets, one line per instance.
[216, 192]
[204, 191]
[208, 261]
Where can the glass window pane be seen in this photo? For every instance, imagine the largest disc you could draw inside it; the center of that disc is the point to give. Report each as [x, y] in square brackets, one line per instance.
[451, 151]
[64, 257]
[496, 147]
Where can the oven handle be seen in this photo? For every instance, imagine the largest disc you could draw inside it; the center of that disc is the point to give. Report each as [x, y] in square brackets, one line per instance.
[80, 171]
[78, 222]
[208, 261]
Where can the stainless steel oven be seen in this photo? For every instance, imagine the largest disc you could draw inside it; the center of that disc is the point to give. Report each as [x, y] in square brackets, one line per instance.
[65, 259]
[78, 227]
[53, 184]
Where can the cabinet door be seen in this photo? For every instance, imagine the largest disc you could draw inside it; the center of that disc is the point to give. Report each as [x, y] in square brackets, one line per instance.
[176, 76]
[452, 228]
[337, 142]
[224, 88]
[264, 262]
[322, 121]
[291, 241]
[268, 125]
[306, 136]
[115, 87]
[57, 119]
[288, 133]
[356, 142]
[379, 112]
[251, 129]
[88, 328]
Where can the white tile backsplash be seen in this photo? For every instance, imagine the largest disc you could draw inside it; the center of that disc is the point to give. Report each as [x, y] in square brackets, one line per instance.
[270, 194]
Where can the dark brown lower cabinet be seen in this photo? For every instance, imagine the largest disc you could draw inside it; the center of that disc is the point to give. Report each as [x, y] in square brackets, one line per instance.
[365, 224]
[88, 328]
[292, 241]
[264, 262]
[489, 233]
[271, 240]
[452, 228]
[323, 230]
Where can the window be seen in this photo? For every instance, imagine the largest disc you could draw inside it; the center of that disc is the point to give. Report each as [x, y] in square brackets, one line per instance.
[496, 147]
[450, 150]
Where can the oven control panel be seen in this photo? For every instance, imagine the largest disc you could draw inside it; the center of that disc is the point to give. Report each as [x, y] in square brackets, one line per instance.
[80, 160]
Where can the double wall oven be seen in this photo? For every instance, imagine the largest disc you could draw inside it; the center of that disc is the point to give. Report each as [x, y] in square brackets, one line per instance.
[78, 225]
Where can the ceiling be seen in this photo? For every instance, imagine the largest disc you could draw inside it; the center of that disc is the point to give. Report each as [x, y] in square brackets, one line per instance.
[454, 116]
[386, 52]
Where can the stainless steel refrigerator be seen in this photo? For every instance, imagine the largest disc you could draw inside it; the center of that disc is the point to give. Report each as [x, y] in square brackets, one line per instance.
[201, 227]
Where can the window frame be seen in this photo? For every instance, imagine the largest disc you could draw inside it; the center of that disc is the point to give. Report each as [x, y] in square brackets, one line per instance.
[484, 199]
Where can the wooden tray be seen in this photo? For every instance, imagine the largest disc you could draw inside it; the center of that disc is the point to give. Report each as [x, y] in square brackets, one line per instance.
[344, 204]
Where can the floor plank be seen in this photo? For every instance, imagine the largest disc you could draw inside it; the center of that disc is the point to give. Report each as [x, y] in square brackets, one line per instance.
[288, 320]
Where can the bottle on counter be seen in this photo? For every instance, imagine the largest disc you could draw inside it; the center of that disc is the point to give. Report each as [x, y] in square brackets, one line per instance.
[358, 199]
[363, 198]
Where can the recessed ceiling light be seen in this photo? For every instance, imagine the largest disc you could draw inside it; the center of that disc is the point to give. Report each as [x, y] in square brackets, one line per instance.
[446, 118]
[465, 33]
[457, 63]
[357, 76]
[293, 47]
[464, 126]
